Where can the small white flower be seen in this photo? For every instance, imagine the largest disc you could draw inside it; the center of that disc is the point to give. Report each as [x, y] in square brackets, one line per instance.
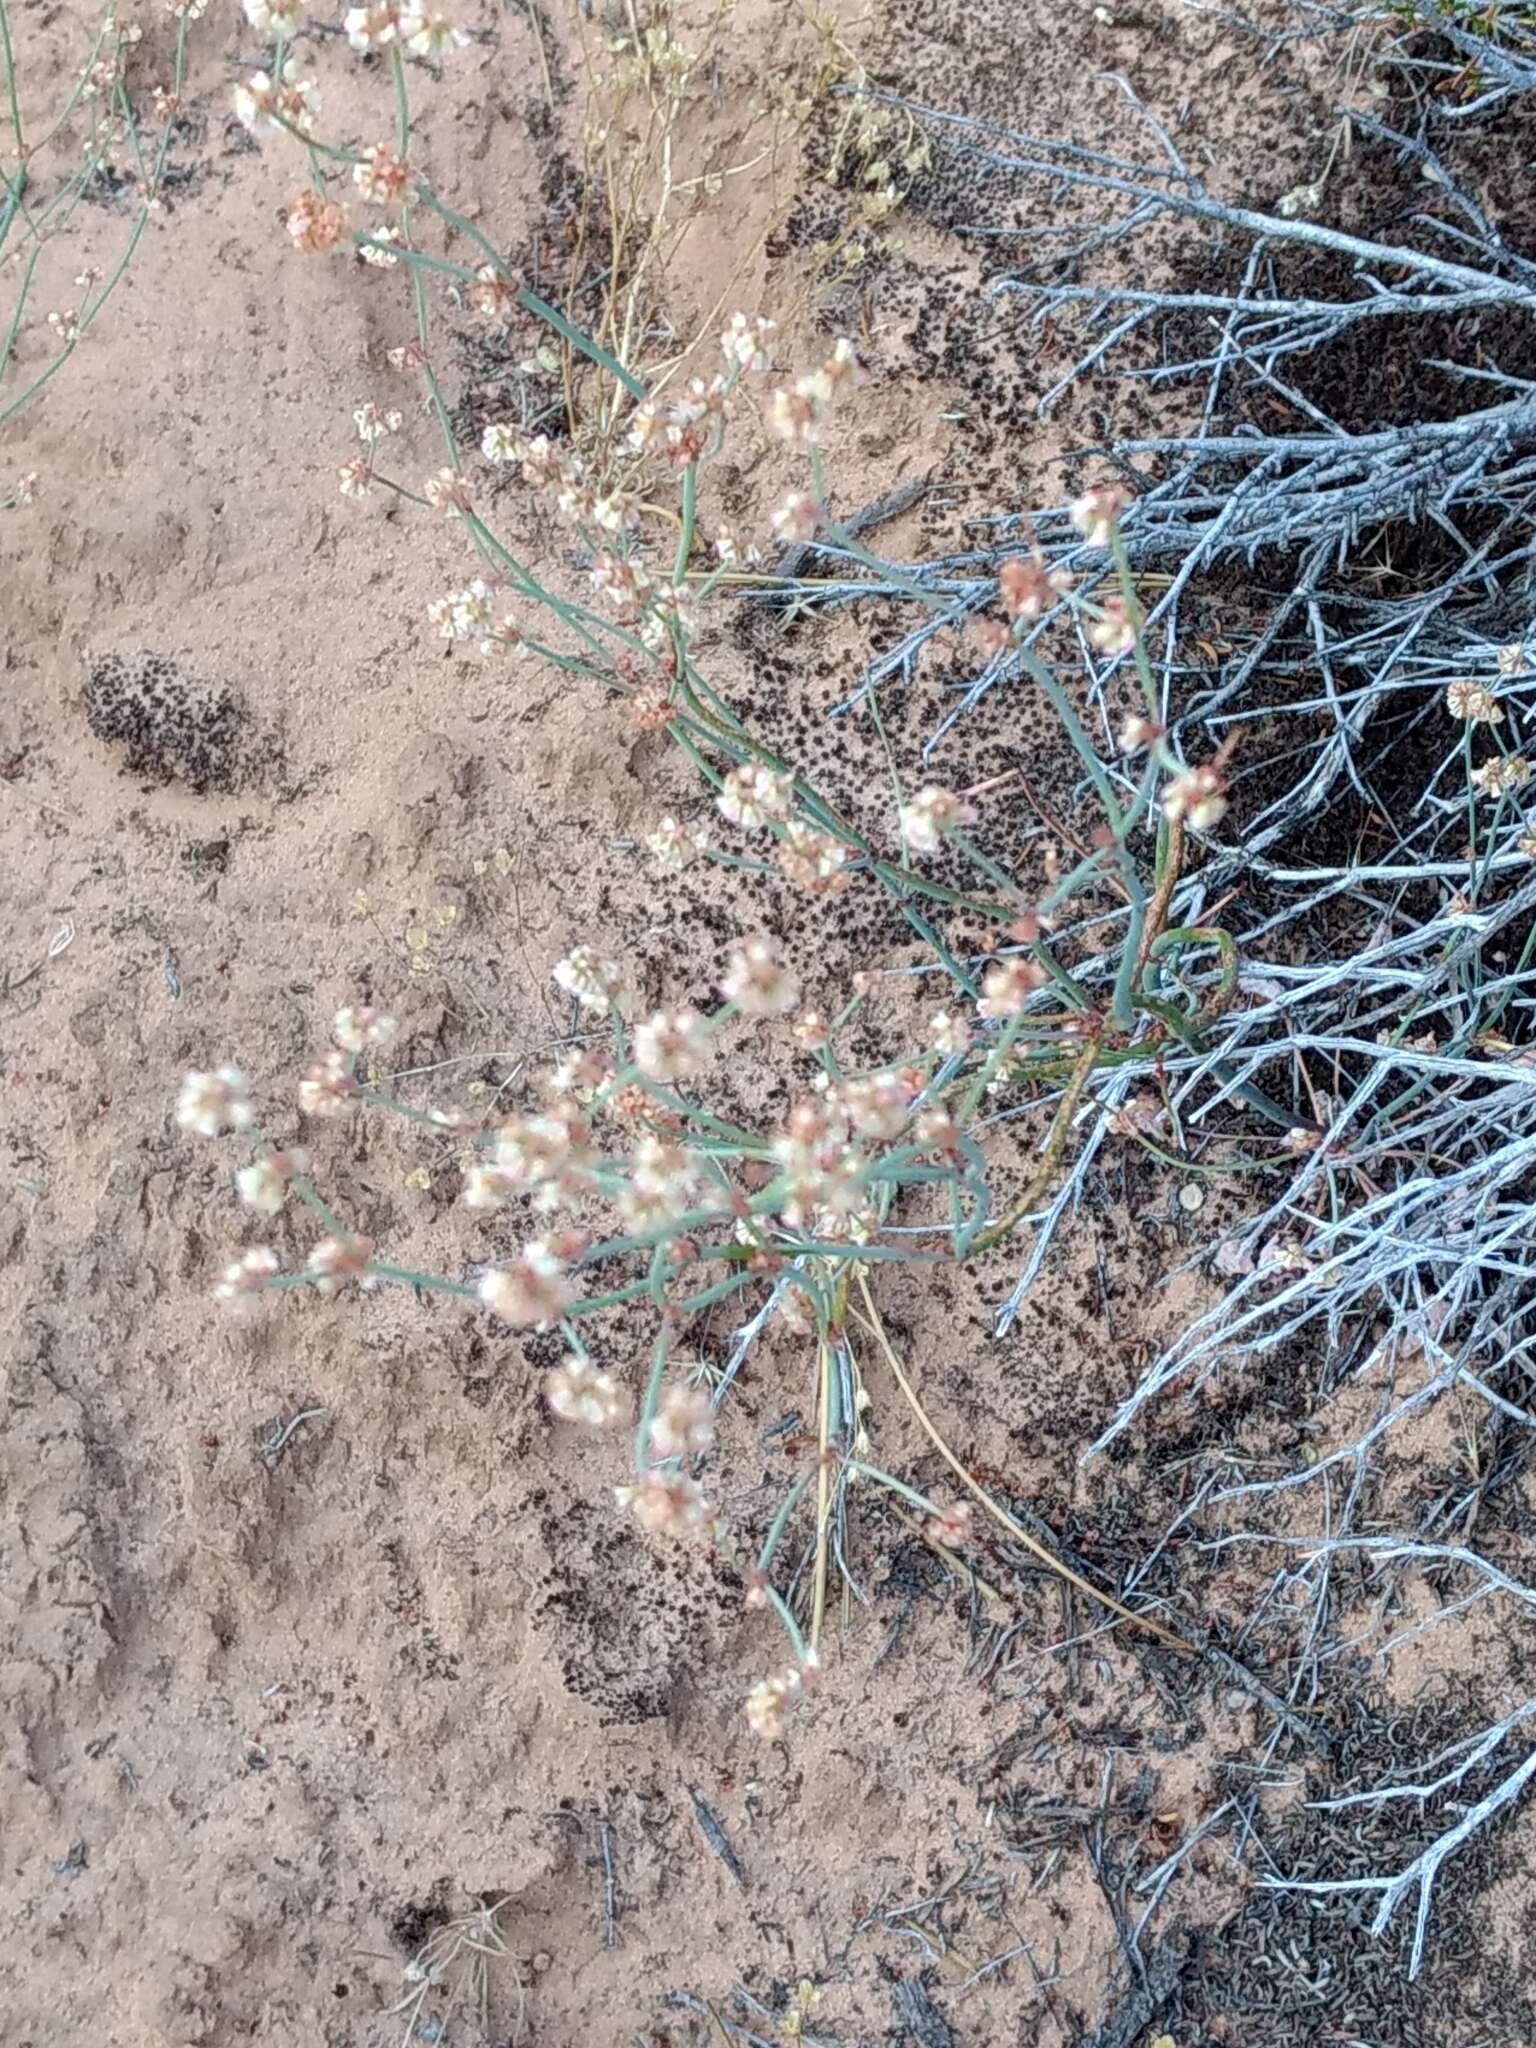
[381, 257]
[381, 176]
[578, 1392]
[1008, 984]
[753, 793]
[1114, 632]
[493, 295]
[371, 28]
[930, 816]
[842, 366]
[208, 1102]
[510, 638]
[579, 1072]
[531, 1290]
[876, 1105]
[666, 1502]
[666, 1179]
[245, 1278]
[798, 517]
[373, 423]
[811, 1032]
[672, 611]
[673, 846]
[488, 1187]
[449, 493]
[744, 342]
[1199, 794]
[472, 610]
[672, 1045]
[429, 33]
[1503, 774]
[274, 19]
[358, 1029]
[592, 980]
[252, 100]
[328, 1087]
[684, 1422]
[501, 442]
[616, 512]
[768, 1699]
[1096, 513]
[287, 100]
[734, 552]
[757, 982]
[336, 1260]
[643, 426]
[621, 579]
[810, 859]
[1136, 733]
[948, 1034]
[765, 1708]
[1473, 702]
[263, 1185]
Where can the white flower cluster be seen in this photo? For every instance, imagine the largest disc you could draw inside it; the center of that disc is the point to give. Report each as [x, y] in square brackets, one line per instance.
[796, 412]
[470, 614]
[423, 31]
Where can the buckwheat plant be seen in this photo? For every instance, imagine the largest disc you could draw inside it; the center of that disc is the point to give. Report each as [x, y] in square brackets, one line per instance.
[106, 125]
[628, 1184]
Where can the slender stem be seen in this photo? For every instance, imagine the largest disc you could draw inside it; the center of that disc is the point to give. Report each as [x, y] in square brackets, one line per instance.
[1012, 1026]
[402, 101]
[1135, 620]
[528, 300]
[648, 1404]
[797, 1641]
[899, 1487]
[1061, 704]
[10, 83]
[433, 1282]
[1055, 1142]
[999, 1513]
[823, 1488]
[690, 513]
[781, 1522]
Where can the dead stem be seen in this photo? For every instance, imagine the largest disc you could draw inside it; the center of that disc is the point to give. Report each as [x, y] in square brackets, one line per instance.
[1157, 909]
[872, 1322]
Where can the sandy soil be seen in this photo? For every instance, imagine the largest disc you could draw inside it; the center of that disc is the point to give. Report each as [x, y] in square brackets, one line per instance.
[273, 1715]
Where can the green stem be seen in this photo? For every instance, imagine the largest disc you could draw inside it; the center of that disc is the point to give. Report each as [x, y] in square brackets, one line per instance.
[1134, 617]
[402, 102]
[791, 1627]
[899, 1487]
[648, 1404]
[780, 1522]
[10, 81]
[433, 1282]
[1061, 705]
[530, 301]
